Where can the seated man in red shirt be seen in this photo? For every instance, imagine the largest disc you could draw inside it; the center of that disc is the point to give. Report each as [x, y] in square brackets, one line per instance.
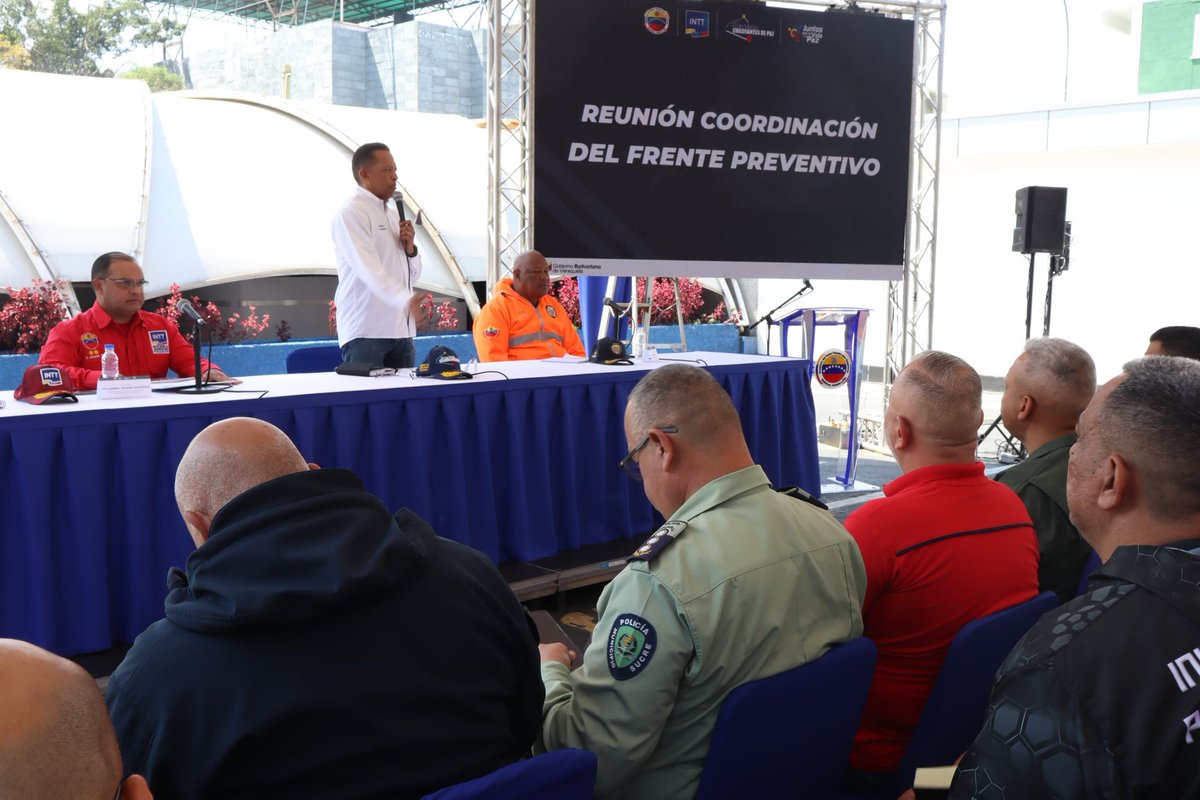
[944, 546]
[145, 343]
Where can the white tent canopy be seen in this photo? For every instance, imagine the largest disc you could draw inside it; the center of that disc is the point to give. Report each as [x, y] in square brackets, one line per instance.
[206, 188]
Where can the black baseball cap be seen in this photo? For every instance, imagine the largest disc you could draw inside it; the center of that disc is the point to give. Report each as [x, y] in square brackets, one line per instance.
[442, 363]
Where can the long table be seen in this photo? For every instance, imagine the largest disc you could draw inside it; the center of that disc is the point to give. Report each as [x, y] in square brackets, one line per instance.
[520, 463]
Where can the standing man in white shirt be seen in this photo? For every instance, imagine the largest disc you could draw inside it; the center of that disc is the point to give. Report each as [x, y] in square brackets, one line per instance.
[377, 266]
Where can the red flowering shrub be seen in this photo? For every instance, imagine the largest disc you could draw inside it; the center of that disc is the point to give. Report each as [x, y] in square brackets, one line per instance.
[228, 330]
[719, 314]
[447, 316]
[445, 312]
[566, 291]
[234, 328]
[662, 312]
[662, 299]
[29, 315]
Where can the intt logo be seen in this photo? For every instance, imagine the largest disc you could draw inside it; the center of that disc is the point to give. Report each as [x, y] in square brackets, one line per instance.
[1186, 670]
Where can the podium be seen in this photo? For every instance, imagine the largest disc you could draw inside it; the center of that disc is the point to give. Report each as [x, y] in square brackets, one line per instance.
[854, 323]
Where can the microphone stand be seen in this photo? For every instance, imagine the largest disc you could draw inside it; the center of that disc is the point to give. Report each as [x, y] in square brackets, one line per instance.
[807, 288]
[201, 387]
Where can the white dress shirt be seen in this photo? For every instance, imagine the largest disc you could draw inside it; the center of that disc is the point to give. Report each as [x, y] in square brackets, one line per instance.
[375, 277]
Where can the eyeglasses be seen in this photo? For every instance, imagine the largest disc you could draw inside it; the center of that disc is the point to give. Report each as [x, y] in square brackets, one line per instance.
[630, 464]
[120, 786]
[127, 283]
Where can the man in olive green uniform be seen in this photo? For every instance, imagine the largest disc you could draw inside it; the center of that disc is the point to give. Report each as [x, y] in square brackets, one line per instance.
[741, 582]
[1045, 391]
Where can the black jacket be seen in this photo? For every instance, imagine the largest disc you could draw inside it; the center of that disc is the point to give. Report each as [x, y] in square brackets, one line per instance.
[1101, 699]
[319, 648]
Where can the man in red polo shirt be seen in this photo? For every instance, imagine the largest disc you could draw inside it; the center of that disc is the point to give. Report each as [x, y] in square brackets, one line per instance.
[944, 546]
[145, 343]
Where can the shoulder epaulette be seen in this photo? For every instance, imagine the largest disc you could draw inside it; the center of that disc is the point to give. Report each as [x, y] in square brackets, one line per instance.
[800, 494]
[659, 540]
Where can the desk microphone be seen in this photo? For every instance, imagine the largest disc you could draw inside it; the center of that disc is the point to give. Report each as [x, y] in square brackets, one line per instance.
[185, 307]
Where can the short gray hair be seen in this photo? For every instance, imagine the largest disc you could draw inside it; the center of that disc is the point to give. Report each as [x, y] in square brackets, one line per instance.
[681, 395]
[1064, 369]
[1152, 418]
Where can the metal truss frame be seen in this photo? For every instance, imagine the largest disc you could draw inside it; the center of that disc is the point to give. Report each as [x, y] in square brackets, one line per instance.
[910, 300]
[510, 133]
[510, 161]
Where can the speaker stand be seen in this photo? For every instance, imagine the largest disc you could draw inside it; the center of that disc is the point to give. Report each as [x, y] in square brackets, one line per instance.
[1029, 300]
[1010, 445]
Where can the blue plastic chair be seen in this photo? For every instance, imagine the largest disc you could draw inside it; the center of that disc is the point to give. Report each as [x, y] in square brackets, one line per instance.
[790, 735]
[957, 706]
[562, 774]
[1093, 564]
[314, 359]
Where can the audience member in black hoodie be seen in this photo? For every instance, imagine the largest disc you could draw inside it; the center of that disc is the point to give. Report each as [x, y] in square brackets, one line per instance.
[1101, 699]
[317, 647]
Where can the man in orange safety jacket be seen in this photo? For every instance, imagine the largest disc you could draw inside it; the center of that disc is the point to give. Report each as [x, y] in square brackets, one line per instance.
[522, 321]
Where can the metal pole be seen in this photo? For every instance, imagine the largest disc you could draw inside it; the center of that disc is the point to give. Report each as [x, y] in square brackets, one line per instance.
[1029, 300]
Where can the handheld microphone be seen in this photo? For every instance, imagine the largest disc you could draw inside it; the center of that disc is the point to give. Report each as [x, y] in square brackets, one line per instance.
[399, 200]
[185, 307]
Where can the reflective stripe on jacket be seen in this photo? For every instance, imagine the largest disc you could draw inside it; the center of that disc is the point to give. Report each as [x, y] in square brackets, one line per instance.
[510, 328]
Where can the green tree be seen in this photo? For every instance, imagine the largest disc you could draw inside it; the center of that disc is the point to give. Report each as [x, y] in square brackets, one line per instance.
[13, 55]
[159, 79]
[60, 39]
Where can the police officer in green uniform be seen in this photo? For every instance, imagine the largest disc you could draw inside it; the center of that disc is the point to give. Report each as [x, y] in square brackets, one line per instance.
[741, 582]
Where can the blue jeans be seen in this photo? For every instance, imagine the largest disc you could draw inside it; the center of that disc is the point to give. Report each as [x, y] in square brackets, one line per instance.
[394, 353]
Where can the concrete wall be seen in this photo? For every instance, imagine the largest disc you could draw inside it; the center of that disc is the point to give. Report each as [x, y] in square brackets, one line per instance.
[309, 49]
[413, 66]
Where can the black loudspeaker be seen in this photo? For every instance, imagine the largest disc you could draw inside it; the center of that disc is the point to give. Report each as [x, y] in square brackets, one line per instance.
[1041, 219]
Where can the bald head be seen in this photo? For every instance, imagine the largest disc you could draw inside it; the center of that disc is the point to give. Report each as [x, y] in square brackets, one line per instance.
[939, 397]
[55, 737]
[531, 276]
[230, 457]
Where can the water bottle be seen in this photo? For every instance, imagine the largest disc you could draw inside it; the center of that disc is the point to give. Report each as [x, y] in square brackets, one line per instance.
[109, 367]
[639, 343]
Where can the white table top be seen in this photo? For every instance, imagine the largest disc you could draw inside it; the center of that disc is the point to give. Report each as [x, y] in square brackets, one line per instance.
[307, 384]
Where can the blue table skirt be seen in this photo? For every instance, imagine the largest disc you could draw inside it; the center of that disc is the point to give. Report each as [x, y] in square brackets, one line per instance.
[518, 469]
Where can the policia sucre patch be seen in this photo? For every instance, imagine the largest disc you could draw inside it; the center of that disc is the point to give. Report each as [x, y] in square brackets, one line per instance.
[631, 644]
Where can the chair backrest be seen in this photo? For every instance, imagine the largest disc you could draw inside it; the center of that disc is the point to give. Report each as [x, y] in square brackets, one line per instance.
[1093, 564]
[957, 706]
[565, 774]
[790, 735]
[314, 359]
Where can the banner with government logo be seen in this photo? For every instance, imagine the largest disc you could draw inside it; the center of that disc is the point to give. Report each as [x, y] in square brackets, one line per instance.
[720, 139]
